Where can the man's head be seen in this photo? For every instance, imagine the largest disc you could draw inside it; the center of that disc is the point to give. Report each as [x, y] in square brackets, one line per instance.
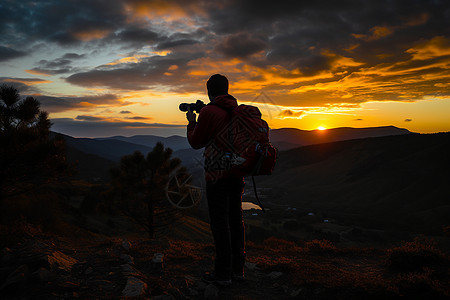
[217, 85]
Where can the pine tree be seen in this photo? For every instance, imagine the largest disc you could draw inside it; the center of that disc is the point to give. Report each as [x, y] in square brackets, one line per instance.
[140, 183]
[28, 156]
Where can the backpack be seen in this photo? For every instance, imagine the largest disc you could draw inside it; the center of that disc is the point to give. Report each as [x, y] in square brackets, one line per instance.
[248, 135]
[251, 153]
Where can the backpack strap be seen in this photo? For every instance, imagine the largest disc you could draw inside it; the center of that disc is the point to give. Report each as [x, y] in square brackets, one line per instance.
[256, 195]
[230, 114]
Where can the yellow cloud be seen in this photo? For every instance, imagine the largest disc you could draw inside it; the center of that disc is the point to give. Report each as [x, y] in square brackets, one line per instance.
[27, 81]
[169, 11]
[130, 59]
[376, 33]
[37, 72]
[437, 46]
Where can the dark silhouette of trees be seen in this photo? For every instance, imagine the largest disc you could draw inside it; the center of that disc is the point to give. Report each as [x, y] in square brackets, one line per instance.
[28, 156]
[140, 185]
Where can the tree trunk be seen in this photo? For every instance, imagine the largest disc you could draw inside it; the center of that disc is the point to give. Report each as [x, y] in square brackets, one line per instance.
[151, 225]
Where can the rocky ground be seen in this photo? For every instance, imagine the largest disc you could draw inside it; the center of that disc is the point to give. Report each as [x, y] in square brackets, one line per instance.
[43, 266]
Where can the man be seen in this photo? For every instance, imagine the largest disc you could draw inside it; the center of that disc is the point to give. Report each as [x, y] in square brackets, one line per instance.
[223, 188]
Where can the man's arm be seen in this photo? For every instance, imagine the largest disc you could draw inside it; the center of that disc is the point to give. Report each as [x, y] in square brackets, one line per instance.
[200, 132]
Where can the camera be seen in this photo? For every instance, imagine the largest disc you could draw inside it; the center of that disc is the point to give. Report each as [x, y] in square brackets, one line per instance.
[197, 106]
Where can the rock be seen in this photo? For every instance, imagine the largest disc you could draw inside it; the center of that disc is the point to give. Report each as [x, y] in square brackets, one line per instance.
[134, 287]
[275, 275]
[157, 261]
[176, 293]
[89, 271]
[163, 297]
[42, 274]
[104, 285]
[211, 292]
[297, 292]
[58, 260]
[190, 280]
[157, 258]
[129, 270]
[40, 245]
[127, 258]
[201, 285]
[250, 266]
[193, 292]
[126, 245]
[126, 268]
[18, 276]
[7, 257]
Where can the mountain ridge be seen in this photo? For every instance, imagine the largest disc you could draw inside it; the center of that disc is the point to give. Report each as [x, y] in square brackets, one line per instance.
[391, 181]
[289, 138]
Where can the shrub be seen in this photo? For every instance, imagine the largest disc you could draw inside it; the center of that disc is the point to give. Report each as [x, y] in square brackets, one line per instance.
[446, 230]
[321, 246]
[274, 243]
[416, 256]
[41, 210]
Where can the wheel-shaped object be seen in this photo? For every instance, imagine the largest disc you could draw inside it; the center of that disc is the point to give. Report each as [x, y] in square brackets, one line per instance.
[180, 193]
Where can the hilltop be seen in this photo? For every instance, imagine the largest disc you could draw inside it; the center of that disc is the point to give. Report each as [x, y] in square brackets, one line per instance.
[395, 183]
[106, 151]
[367, 190]
[289, 138]
[82, 265]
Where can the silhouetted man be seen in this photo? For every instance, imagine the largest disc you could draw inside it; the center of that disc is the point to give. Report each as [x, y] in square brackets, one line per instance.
[223, 189]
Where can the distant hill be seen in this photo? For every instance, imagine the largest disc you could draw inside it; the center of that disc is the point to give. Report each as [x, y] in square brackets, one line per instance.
[394, 182]
[110, 149]
[107, 151]
[174, 142]
[289, 138]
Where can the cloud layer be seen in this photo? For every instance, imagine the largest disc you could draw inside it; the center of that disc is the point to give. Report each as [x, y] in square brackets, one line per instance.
[304, 53]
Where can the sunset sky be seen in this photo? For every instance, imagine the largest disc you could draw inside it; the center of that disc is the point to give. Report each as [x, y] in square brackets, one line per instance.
[104, 68]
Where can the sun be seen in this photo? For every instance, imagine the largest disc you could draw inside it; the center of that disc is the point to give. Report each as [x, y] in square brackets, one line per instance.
[321, 128]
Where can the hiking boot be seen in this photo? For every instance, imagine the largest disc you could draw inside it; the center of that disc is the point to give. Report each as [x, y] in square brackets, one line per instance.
[210, 277]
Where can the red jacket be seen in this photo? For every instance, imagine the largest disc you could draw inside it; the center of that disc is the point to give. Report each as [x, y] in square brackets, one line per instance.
[211, 131]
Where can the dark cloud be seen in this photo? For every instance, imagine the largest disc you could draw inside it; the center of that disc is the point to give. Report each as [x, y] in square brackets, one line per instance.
[170, 44]
[290, 113]
[63, 38]
[149, 73]
[347, 40]
[7, 53]
[408, 120]
[138, 118]
[60, 104]
[138, 36]
[62, 65]
[98, 128]
[55, 63]
[241, 45]
[88, 118]
[64, 22]
[23, 85]
[73, 56]
[125, 112]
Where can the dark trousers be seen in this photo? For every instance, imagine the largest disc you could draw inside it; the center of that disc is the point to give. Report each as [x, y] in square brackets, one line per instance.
[227, 225]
